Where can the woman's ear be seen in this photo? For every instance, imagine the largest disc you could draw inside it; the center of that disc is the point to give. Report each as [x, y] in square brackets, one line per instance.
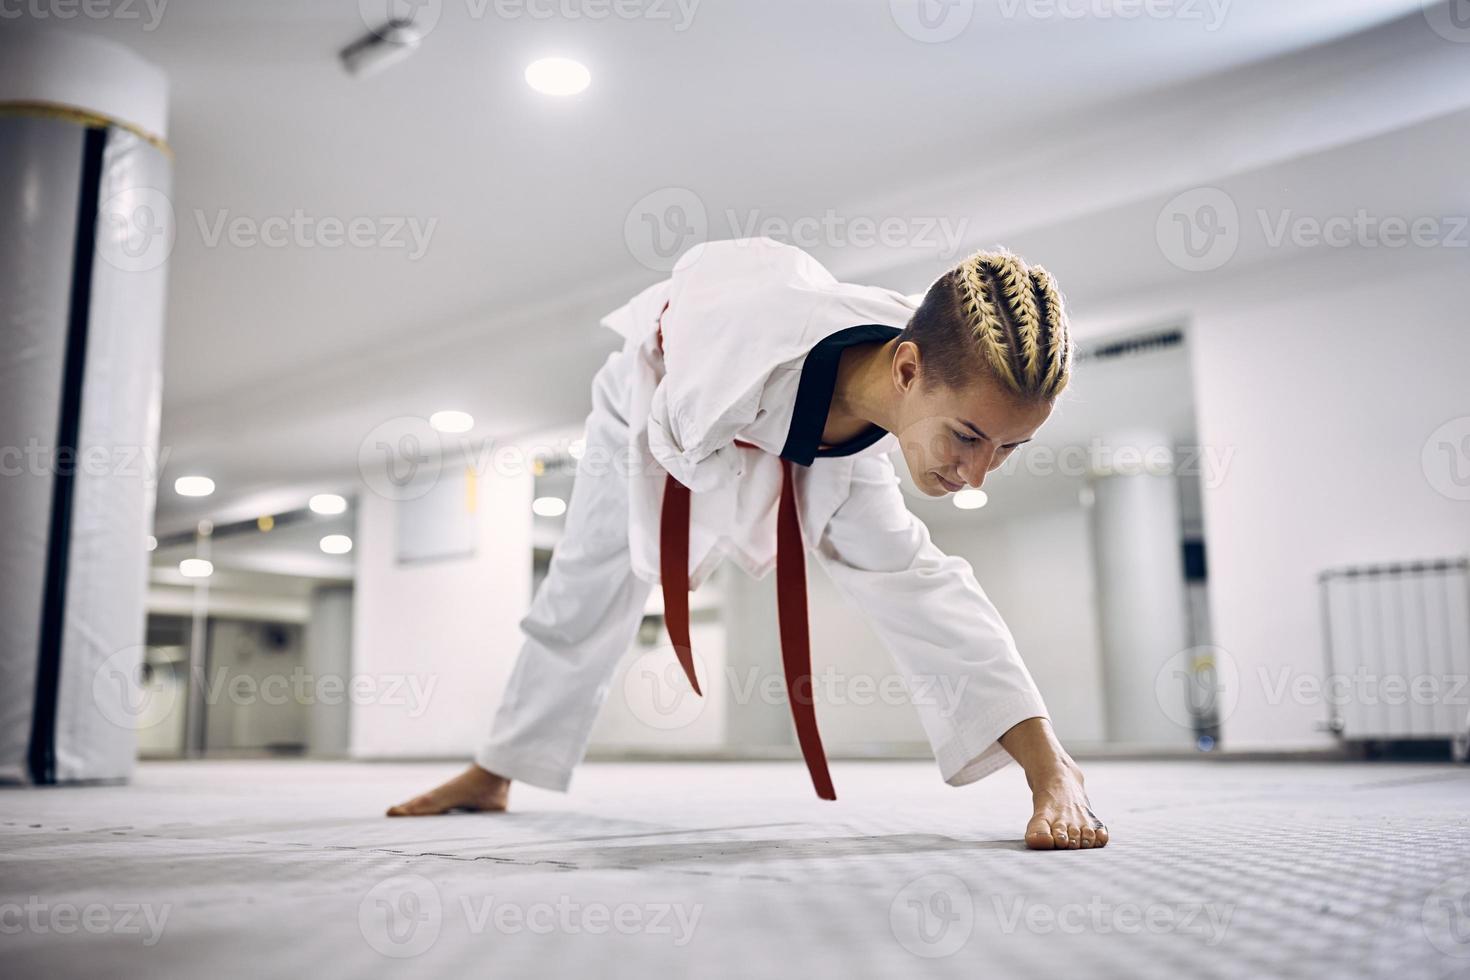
[906, 366]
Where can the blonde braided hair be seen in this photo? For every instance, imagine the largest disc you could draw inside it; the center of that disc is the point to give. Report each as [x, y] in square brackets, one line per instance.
[994, 306]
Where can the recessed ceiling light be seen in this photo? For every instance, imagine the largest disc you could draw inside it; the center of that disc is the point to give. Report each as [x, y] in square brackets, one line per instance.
[558, 76]
[193, 486]
[196, 568]
[152, 543]
[336, 544]
[452, 421]
[327, 503]
[548, 506]
[970, 498]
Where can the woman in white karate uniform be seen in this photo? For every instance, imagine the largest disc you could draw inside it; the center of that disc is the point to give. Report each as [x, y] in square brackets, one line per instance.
[757, 398]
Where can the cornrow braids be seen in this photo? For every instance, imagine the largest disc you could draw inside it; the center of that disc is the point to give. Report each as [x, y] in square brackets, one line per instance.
[993, 311]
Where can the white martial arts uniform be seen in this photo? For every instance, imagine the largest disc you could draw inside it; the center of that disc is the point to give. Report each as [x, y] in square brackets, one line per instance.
[742, 342]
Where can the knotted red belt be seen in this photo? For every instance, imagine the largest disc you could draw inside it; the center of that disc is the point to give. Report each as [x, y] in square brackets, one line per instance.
[796, 653]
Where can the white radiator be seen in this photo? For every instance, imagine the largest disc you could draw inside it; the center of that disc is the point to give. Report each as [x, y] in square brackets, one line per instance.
[1398, 651]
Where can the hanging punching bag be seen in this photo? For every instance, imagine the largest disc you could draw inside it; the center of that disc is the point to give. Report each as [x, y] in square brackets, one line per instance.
[86, 227]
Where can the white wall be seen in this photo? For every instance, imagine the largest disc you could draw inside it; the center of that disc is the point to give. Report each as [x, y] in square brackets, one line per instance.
[1326, 397]
[449, 625]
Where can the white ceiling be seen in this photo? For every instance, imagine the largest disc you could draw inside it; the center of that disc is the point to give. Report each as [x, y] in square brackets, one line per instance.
[280, 361]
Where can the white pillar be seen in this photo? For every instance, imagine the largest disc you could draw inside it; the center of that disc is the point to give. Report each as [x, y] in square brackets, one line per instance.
[329, 655]
[1140, 585]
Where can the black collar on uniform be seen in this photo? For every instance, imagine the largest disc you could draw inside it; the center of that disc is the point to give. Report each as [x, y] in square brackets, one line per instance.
[814, 396]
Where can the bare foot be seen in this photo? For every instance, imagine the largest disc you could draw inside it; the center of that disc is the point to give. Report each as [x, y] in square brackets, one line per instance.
[474, 789]
[1063, 819]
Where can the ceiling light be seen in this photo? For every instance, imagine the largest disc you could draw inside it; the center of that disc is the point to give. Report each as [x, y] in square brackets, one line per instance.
[548, 506]
[193, 486]
[152, 543]
[452, 421]
[327, 503]
[970, 498]
[336, 544]
[196, 568]
[558, 76]
[577, 449]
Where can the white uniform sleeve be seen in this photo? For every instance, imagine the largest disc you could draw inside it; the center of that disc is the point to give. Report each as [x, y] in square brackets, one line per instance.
[700, 453]
[946, 637]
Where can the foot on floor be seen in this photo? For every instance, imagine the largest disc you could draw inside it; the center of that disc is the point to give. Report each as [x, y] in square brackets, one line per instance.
[474, 789]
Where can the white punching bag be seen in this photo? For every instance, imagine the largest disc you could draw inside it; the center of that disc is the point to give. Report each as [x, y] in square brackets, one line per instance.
[86, 227]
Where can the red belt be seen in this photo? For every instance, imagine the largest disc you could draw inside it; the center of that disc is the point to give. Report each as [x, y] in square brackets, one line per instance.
[796, 654]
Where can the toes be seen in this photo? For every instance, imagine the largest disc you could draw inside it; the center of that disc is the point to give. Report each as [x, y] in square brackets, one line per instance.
[419, 806]
[1089, 838]
[1039, 835]
[1059, 837]
[1074, 837]
[1102, 836]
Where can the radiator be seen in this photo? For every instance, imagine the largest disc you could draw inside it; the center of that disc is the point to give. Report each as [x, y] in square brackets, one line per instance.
[1398, 651]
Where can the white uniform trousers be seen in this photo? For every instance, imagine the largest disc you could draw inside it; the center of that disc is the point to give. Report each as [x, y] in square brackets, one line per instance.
[584, 616]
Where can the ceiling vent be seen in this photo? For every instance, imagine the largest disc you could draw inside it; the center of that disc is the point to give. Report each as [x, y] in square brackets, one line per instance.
[1144, 343]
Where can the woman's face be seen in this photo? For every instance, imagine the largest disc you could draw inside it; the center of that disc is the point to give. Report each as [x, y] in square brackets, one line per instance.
[952, 438]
